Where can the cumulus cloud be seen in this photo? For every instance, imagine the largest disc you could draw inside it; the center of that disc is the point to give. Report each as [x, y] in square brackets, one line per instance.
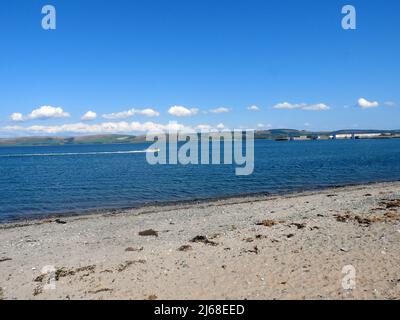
[181, 111]
[253, 108]
[302, 106]
[220, 110]
[42, 113]
[105, 127]
[364, 103]
[220, 126]
[148, 112]
[16, 116]
[90, 115]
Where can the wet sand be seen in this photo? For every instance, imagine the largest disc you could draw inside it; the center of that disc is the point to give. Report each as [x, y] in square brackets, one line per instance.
[254, 247]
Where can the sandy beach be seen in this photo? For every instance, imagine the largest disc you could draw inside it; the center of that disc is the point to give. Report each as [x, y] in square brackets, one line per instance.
[259, 247]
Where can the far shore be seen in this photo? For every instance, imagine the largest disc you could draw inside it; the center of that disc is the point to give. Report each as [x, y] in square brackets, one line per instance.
[293, 246]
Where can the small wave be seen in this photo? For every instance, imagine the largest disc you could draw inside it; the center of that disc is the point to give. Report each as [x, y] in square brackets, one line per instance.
[77, 153]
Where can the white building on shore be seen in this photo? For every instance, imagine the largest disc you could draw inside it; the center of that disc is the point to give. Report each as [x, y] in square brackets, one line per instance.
[356, 135]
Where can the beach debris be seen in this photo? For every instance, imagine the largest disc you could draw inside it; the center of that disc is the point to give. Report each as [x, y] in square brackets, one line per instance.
[391, 203]
[149, 232]
[314, 228]
[367, 195]
[248, 239]
[261, 236]
[298, 225]
[38, 290]
[268, 223]
[60, 221]
[290, 235]
[344, 250]
[133, 249]
[342, 218]
[101, 290]
[30, 241]
[254, 250]
[90, 268]
[185, 247]
[39, 278]
[63, 272]
[152, 297]
[331, 195]
[203, 239]
[368, 220]
[123, 266]
[5, 259]
[106, 271]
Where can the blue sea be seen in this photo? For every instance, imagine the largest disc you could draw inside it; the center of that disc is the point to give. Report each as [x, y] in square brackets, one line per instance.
[44, 181]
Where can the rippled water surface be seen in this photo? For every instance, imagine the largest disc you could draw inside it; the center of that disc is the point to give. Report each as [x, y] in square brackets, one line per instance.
[50, 180]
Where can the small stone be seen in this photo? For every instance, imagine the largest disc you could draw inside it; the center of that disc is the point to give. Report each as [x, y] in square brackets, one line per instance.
[149, 232]
[185, 247]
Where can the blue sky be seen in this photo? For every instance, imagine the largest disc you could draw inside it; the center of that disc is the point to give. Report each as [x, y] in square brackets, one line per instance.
[289, 58]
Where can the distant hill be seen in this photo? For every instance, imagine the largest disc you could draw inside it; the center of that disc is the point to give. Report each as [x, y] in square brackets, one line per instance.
[56, 141]
[272, 134]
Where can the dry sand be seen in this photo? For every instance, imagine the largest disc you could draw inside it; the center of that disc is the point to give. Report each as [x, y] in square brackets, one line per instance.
[280, 247]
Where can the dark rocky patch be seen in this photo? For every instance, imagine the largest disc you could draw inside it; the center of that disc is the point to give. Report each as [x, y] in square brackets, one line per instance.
[204, 240]
[149, 232]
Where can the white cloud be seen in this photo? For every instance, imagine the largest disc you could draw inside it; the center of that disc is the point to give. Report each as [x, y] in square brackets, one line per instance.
[130, 113]
[204, 127]
[17, 117]
[220, 126]
[105, 127]
[364, 103]
[390, 104]
[148, 112]
[261, 125]
[316, 107]
[180, 111]
[42, 113]
[253, 108]
[90, 115]
[220, 110]
[302, 106]
[307, 124]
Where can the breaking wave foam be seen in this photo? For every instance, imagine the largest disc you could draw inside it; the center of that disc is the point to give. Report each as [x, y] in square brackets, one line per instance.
[77, 153]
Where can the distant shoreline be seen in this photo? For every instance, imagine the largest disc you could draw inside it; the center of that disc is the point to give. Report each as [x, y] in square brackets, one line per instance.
[123, 139]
